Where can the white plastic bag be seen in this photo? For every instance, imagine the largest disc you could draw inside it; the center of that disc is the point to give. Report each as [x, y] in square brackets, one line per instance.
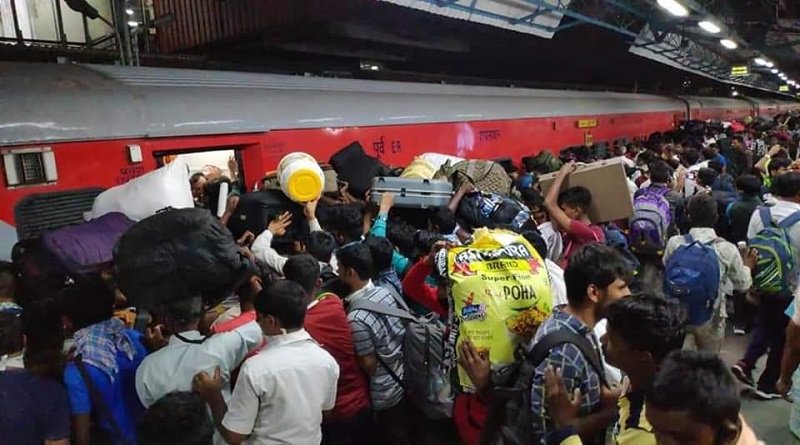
[438, 159]
[144, 196]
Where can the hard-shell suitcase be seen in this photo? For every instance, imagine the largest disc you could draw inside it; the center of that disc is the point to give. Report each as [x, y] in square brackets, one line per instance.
[257, 209]
[413, 193]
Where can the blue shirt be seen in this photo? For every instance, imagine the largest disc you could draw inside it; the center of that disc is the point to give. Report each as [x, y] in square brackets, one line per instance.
[577, 373]
[400, 263]
[119, 395]
[722, 159]
[34, 409]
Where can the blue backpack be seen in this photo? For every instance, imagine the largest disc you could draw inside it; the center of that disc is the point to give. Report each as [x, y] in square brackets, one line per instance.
[692, 276]
[775, 254]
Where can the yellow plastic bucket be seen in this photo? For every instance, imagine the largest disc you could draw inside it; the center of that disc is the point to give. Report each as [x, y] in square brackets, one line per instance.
[300, 177]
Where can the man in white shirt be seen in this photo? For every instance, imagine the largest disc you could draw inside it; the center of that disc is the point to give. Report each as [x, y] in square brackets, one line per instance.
[188, 352]
[267, 255]
[283, 392]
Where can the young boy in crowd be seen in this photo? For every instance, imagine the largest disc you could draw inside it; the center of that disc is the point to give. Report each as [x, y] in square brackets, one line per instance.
[642, 330]
[179, 418]
[104, 355]
[733, 269]
[283, 392]
[694, 399]
[569, 211]
[35, 409]
[350, 422]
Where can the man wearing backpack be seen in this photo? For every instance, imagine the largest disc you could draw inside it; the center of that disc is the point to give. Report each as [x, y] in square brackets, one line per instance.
[597, 276]
[696, 267]
[378, 342]
[656, 210]
[778, 244]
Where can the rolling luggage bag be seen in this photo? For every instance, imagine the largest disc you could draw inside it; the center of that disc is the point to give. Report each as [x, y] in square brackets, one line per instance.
[413, 193]
[257, 209]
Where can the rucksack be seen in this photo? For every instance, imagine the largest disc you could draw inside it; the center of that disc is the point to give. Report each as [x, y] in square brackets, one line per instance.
[776, 258]
[354, 166]
[650, 221]
[616, 238]
[692, 276]
[425, 382]
[486, 176]
[510, 419]
[544, 162]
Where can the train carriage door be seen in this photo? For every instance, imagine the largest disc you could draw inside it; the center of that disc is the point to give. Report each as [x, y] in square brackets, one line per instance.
[213, 164]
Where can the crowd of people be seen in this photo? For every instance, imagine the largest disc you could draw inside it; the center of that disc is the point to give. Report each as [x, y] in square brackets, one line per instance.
[297, 356]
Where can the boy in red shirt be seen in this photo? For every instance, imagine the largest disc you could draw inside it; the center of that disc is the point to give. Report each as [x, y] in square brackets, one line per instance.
[569, 211]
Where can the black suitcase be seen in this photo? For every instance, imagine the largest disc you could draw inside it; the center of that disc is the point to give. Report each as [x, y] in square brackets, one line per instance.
[357, 168]
[257, 209]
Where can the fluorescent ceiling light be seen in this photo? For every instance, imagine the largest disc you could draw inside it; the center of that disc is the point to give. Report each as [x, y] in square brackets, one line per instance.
[674, 8]
[770, 64]
[710, 27]
[129, 11]
[774, 71]
[761, 62]
[727, 43]
[133, 24]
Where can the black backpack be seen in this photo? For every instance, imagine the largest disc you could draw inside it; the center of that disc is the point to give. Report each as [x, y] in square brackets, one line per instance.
[510, 420]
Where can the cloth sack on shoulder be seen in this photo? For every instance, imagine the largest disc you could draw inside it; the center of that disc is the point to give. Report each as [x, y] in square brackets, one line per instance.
[486, 176]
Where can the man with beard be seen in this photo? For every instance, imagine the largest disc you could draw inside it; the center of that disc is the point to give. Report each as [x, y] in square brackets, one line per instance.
[597, 275]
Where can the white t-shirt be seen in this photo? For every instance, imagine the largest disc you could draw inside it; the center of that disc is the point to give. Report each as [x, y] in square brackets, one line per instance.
[554, 241]
[282, 391]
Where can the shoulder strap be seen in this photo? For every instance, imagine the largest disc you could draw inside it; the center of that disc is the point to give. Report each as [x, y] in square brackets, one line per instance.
[382, 309]
[790, 220]
[688, 238]
[541, 350]
[766, 216]
[98, 402]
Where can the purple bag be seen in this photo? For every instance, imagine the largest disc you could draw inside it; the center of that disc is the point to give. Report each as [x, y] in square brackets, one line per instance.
[82, 247]
[649, 223]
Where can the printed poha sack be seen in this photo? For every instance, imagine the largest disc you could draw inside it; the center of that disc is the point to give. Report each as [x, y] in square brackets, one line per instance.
[499, 294]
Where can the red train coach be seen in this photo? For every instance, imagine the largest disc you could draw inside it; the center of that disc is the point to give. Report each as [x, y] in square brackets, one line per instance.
[65, 129]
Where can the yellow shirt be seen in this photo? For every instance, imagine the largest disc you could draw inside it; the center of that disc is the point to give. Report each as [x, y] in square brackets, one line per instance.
[632, 428]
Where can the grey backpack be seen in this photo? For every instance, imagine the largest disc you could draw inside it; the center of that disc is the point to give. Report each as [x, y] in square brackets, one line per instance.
[425, 381]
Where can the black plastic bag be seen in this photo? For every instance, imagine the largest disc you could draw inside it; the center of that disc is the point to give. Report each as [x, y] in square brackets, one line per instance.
[179, 254]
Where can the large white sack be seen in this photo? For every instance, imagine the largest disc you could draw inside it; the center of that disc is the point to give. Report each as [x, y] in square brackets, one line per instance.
[438, 159]
[144, 196]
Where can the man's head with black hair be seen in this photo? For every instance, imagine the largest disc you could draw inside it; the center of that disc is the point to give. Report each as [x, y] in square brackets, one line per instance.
[702, 210]
[778, 166]
[320, 245]
[749, 185]
[8, 281]
[382, 251]
[178, 418]
[11, 334]
[596, 276]
[355, 265]
[304, 270]
[690, 157]
[706, 177]
[534, 237]
[642, 330]
[717, 166]
[694, 399]
[281, 307]
[184, 314]
[787, 186]
[737, 142]
[575, 202]
[660, 173]
[401, 234]
[709, 153]
[535, 201]
[424, 241]
[443, 221]
[212, 190]
[347, 223]
[198, 183]
[87, 302]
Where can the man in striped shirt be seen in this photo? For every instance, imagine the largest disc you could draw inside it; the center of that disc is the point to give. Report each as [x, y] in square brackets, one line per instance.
[378, 341]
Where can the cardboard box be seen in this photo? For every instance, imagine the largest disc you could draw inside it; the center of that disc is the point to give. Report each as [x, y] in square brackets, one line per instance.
[606, 180]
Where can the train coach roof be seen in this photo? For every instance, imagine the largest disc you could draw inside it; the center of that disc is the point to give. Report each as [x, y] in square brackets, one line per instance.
[51, 103]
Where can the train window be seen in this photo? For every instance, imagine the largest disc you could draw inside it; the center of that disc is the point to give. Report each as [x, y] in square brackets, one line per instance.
[30, 166]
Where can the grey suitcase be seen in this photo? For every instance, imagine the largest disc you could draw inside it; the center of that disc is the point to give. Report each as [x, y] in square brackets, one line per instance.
[413, 193]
